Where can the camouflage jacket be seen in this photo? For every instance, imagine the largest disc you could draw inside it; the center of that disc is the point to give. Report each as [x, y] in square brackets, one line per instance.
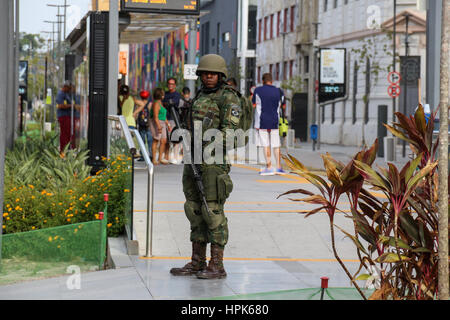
[220, 110]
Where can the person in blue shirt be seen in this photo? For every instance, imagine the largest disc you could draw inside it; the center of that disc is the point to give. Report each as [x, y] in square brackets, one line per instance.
[269, 101]
[171, 96]
[68, 114]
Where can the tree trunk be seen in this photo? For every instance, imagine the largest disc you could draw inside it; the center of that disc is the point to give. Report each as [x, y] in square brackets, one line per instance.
[443, 273]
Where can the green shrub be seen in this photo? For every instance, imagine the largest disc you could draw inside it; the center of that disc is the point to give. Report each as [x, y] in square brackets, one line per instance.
[44, 188]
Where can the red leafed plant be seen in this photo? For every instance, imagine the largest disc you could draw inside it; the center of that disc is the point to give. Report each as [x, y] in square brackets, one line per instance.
[396, 238]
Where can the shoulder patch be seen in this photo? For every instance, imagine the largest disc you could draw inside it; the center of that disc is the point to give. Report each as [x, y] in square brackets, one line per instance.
[235, 113]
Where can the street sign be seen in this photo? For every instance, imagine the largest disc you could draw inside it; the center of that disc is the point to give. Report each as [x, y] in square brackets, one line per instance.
[190, 72]
[394, 91]
[394, 77]
[188, 7]
[410, 69]
[332, 77]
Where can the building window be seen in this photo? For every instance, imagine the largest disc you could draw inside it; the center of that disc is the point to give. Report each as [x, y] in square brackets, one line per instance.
[259, 30]
[219, 39]
[265, 28]
[285, 21]
[325, 5]
[277, 72]
[335, 4]
[292, 18]
[355, 91]
[271, 69]
[291, 69]
[259, 75]
[251, 39]
[271, 27]
[278, 23]
[366, 104]
[285, 70]
[306, 64]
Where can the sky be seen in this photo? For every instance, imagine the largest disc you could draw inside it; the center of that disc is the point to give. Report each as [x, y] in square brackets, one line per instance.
[34, 12]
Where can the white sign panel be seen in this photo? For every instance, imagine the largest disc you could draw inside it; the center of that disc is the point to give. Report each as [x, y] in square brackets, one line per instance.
[189, 72]
[332, 66]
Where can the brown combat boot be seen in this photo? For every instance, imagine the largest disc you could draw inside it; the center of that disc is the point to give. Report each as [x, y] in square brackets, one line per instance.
[197, 264]
[215, 269]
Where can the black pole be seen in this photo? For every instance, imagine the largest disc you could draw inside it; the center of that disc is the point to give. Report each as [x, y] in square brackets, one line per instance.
[45, 79]
[21, 114]
[395, 49]
[405, 80]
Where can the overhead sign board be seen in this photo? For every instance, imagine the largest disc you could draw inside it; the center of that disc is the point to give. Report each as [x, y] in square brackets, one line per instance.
[332, 79]
[188, 7]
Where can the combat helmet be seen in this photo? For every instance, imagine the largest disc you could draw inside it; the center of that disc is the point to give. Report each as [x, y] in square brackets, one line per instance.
[213, 63]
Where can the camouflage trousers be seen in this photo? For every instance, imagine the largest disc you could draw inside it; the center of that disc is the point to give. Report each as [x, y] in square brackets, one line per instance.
[208, 227]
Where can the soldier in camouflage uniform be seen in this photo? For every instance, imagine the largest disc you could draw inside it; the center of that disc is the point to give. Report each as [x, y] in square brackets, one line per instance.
[216, 106]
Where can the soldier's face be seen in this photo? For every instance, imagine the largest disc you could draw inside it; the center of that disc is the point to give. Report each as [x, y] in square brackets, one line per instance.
[210, 79]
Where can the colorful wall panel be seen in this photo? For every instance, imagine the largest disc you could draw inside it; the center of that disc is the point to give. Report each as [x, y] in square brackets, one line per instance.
[156, 61]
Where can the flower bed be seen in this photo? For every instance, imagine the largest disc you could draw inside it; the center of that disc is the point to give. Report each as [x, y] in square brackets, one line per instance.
[44, 189]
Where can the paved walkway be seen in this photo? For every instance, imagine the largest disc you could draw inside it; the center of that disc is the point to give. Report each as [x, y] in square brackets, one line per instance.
[271, 248]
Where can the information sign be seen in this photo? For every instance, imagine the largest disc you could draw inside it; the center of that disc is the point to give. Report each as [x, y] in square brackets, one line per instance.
[188, 7]
[190, 71]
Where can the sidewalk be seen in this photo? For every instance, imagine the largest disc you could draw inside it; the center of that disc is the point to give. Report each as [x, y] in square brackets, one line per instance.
[312, 159]
[262, 257]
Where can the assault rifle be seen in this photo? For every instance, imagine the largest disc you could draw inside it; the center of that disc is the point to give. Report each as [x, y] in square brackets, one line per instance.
[186, 148]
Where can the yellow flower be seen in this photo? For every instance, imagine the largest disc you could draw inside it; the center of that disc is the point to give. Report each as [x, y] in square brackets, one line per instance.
[126, 190]
[56, 237]
[17, 200]
[59, 246]
[5, 214]
[31, 186]
[17, 208]
[76, 230]
[32, 228]
[43, 192]
[4, 227]
[109, 225]
[33, 197]
[68, 220]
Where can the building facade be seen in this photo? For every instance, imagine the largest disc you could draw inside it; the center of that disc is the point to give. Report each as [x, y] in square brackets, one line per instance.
[228, 28]
[364, 28]
[286, 44]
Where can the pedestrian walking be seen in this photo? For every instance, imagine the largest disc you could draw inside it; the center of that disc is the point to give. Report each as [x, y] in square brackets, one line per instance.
[171, 96]
[159, 126]
[143, 123]
[68, 114]
[216, 106]
[268, 101]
